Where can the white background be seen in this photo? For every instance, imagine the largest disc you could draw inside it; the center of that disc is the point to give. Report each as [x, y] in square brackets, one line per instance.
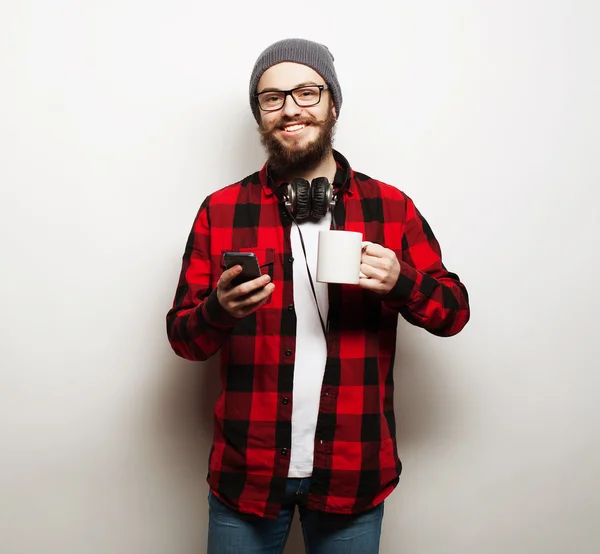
[118, 118]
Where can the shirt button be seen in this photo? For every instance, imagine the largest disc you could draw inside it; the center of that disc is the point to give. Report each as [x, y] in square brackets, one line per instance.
[291, 259]
[283, 451]
[291, 307]
[288, 352]
[286, 400]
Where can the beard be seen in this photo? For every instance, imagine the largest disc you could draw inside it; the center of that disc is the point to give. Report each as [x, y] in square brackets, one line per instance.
[291, 160]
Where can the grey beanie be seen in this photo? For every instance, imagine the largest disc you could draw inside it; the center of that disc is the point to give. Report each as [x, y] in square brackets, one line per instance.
[314, 55]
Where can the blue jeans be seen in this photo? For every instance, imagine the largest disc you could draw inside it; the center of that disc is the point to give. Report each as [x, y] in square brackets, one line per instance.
[231, 532]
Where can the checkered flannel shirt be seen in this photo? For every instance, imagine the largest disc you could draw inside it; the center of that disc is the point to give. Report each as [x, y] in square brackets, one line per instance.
[356, 465]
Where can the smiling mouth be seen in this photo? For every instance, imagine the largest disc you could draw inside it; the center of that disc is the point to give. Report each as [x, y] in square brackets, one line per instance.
[294, 128]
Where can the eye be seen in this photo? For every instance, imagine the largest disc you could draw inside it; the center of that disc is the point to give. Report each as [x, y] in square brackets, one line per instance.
[307, 93]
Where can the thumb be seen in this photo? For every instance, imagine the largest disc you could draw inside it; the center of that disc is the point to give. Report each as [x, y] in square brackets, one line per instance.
[229, 275]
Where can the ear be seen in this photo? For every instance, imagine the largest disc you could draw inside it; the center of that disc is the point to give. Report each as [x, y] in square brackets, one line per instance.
[334, 112]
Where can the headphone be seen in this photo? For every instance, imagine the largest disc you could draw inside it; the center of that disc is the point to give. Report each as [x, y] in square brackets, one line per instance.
[306, 200]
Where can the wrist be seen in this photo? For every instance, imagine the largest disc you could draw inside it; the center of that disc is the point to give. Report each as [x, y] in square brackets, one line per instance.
[216, 314]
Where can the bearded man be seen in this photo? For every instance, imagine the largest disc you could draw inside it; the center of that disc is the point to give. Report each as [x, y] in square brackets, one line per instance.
[305, 418]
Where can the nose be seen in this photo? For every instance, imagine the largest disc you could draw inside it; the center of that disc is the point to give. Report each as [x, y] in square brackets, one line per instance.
[290, 108]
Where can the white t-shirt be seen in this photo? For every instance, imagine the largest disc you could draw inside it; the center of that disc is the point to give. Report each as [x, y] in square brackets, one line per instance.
[311, 348]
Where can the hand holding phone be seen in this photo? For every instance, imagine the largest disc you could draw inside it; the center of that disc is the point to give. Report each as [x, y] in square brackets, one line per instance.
[242, 292]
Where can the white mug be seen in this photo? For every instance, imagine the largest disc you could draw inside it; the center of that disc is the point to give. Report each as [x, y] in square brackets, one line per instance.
[339, 256]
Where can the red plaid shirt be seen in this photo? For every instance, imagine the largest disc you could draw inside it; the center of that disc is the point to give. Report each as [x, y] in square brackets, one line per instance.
[356, 465]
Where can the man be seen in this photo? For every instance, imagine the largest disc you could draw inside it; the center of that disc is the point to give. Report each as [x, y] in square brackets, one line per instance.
[306, 414]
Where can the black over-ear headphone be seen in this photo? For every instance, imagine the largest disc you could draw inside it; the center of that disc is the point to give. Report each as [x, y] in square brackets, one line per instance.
[309, 200]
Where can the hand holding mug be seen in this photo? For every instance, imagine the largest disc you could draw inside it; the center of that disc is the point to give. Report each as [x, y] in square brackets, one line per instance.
[379, 268]
[343, 257]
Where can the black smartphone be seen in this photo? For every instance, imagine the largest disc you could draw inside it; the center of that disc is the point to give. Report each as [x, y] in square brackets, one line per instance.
[249, 263]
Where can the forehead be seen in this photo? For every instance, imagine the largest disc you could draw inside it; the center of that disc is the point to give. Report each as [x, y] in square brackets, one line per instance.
[287, 75]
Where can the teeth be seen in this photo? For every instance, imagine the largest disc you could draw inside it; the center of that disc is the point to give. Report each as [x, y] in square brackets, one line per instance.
[294, 128]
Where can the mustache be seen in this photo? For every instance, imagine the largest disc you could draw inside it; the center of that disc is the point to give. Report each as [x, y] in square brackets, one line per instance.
[287, 120]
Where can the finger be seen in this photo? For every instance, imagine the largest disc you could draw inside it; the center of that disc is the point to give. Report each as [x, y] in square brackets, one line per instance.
[371, 272]
[370, 284]
[253, 301]
[250, 286]
[384, 263]
[373, 249]
[228, 275]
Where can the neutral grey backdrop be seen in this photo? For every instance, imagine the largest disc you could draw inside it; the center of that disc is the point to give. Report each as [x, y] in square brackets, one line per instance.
[118, 118]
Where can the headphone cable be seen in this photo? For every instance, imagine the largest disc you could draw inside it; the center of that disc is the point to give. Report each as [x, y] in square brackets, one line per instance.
[312, 286]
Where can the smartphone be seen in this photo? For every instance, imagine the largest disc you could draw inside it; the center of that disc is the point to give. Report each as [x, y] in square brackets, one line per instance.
[249, 263]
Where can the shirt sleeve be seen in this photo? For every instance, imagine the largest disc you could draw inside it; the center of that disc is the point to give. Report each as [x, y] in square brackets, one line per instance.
[427, 294]
[197, 324]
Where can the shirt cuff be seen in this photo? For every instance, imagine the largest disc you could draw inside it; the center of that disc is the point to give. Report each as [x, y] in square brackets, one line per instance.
[406, 285]
[215, 315]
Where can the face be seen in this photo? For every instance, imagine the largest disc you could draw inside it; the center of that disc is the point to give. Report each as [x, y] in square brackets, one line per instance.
[296, 138]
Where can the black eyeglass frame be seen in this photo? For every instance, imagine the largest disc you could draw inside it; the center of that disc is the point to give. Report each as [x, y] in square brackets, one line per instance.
[287, 93]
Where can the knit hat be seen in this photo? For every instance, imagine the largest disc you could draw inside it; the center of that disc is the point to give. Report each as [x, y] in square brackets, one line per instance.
[314, 55]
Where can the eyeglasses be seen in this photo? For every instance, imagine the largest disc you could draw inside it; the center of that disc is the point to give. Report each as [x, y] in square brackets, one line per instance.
[305, 96]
